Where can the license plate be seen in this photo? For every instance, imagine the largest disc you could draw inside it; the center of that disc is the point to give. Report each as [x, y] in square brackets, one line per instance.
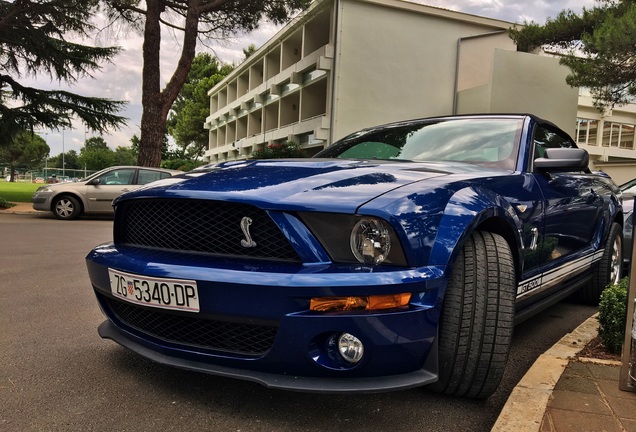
[176, 294]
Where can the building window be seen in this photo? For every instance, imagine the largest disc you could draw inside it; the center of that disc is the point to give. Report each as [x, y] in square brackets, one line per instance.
[586, 131]
[618, 135]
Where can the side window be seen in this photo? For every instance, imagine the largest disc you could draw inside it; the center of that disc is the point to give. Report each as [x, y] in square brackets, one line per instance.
[117, 177]
[147, 176]
[546, 137]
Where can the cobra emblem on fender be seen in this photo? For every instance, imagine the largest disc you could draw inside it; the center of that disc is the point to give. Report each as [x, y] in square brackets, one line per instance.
[245, 227]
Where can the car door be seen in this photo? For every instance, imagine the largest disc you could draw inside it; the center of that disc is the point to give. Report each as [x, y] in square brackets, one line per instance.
[101, 192]
[571, 208]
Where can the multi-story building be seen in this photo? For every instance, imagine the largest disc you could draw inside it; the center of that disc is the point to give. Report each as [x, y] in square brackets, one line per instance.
[343, 65]
[608, 136]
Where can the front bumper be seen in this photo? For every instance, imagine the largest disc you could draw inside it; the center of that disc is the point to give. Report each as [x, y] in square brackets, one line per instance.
[400, 345]
[417, 378]
[41, 201]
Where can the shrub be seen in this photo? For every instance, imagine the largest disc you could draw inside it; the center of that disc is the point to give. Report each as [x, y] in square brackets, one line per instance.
[5, 204]
[612, 315]
[181, 164]
[286, 149]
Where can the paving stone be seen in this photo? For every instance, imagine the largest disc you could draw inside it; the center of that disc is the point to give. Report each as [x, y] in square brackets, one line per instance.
[623, 408]
[579, 402]
[576, 368]
[546, 424]
[572, 421]
[611, 389]
[568, 382]
[629, 425]
[605, 372]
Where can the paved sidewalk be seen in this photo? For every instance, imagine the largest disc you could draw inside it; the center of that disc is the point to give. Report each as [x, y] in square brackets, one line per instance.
[564, 393]
[22, 208]
[587, 398]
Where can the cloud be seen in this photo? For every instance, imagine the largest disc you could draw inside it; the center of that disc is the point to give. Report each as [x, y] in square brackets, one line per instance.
[513, 11]
[121, 79]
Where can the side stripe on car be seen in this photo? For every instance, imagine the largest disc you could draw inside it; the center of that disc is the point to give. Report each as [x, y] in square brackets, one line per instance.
[555, 276]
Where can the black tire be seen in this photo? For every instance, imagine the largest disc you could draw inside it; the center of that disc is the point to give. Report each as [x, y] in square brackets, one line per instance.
[66, 207]
[609, 270]
[477, 318]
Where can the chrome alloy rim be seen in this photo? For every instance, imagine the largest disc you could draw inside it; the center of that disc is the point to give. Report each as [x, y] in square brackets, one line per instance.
[616, 261]
[64, 208]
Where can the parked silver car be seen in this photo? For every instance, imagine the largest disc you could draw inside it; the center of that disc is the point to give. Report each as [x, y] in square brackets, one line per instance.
[94, 194]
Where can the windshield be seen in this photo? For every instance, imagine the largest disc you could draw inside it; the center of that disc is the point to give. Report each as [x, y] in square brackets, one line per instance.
[95, 174]
[491, 142]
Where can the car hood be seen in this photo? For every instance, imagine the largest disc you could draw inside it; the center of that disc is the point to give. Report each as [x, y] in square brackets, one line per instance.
[311, 184]
[63, 186]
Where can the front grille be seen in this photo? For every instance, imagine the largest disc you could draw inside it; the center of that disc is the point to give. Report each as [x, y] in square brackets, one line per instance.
[239, 338]
[200, 226]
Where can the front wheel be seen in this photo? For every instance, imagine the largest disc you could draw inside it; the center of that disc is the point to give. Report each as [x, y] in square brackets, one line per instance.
[477, 318]
[66, 207]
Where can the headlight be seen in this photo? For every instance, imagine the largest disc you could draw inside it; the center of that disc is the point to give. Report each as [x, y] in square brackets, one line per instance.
[356, 239]
[370, 241]
[43, 189]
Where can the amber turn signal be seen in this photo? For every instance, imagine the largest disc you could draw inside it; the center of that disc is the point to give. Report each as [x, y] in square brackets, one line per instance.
[375, 302]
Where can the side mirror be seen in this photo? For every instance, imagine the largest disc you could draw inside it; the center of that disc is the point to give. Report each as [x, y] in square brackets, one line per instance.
[563, 159]
[93, 182]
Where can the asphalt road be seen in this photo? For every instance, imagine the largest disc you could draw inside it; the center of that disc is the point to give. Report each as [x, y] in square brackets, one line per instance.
[57, 374]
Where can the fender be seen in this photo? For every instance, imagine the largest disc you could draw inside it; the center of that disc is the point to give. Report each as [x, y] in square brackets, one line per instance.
[466, 210]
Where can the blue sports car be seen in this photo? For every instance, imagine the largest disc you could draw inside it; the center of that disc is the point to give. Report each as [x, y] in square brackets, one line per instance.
[400, 256]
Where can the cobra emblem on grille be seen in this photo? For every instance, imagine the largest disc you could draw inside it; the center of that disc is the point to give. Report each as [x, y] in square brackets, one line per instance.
[245, 227]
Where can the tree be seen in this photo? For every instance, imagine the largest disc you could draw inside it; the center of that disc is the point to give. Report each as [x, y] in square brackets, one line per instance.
[69, 159]
[27, 150]
[34, 40]
[125, 156]
[96, 155]
[135, 144]
[251, 49]
[95, 143]
[192, 106]
[181, 164]
[599, 47]
[208, 19]
[72, 160]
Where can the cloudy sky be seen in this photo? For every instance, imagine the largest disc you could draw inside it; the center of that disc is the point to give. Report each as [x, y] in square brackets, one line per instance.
[121, 79]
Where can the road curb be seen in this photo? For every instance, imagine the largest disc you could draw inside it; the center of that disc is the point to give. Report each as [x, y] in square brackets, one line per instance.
[23, 212]
[22, 208]
[524, 410]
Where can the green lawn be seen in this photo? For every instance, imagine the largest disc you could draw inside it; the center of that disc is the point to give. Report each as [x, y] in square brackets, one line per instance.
[17, 192]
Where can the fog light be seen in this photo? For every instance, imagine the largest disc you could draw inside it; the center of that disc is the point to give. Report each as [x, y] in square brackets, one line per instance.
[350, 348]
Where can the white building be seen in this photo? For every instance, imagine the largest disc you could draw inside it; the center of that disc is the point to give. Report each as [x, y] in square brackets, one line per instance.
[608, 137]
[343, 65]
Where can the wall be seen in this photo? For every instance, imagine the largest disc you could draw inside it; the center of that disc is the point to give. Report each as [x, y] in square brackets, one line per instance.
[394, 64]
[620, 172]
[525, 83]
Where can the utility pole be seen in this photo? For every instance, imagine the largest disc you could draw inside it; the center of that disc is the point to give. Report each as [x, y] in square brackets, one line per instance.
[63, 161]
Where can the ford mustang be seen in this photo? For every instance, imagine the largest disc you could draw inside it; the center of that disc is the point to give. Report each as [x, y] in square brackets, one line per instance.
[400, 256]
